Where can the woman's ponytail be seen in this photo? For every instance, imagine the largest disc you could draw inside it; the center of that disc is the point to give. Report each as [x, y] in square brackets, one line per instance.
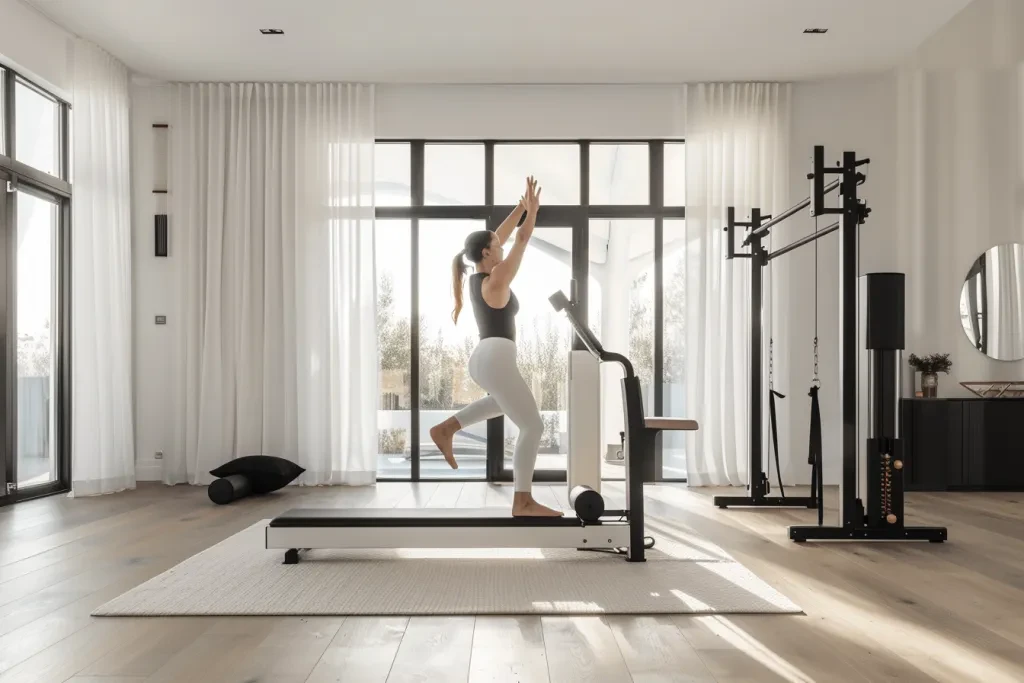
[458, 271]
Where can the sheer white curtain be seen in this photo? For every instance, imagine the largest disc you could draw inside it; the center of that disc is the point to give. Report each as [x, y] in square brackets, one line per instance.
[737, 154]
[272, 225]
[102, 438]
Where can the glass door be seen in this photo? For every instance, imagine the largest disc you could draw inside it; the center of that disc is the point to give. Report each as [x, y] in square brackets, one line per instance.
[31, 328]
[543, 340]
[35, 316]
[7, 478]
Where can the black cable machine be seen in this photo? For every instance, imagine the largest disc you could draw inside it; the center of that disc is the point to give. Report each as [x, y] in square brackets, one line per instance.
[759, 486]
[883, 519]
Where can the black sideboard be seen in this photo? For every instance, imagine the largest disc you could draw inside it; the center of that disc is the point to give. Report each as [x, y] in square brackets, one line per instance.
[963, 443]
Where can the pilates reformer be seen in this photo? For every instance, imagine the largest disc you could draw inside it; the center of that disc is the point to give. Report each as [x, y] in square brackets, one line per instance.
[592, 527]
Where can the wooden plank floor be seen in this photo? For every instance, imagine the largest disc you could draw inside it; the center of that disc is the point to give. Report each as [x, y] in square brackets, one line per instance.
[907, 612]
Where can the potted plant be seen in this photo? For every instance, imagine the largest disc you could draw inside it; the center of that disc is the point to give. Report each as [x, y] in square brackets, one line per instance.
[930, 367]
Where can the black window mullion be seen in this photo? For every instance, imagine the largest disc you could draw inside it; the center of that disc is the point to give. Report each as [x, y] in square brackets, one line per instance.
[489, 173]
[495, 449]
[581, 244]
[416, 186]
[65, 142]
[64, 358]
[8, 95]
[7, 371]
[656, 156]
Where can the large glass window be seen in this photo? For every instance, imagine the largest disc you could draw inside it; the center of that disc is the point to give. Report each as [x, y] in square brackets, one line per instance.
[445, 347]
[37, 133]
[543, 341]
[673, 387]
[424, 359]
[619, 174]
[34, 205]
[3, 113]
[392, 174]
[620, 302]
[453, 174]
[393, 261]
[36, 236]
[675, 174]
[557, 165]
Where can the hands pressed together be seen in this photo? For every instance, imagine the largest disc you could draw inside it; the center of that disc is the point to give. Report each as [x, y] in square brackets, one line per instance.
[530, 201]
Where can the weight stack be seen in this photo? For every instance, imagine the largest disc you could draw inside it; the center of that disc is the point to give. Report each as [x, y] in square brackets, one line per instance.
[885, 339]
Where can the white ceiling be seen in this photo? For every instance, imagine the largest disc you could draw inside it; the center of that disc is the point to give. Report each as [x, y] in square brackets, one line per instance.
[519, 41]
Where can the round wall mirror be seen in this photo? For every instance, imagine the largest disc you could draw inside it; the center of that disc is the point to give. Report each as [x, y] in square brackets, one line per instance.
[992, 303]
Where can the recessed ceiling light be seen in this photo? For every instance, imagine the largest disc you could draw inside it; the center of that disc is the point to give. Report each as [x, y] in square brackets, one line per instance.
[815, 30]
[272, 31]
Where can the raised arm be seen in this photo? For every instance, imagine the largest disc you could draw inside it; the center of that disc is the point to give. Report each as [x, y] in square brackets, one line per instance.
[503, 273]
[504, 230]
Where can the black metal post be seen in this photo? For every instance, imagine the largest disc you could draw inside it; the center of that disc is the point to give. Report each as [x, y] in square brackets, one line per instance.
[758, 484]
[852, 509]
[639, 443]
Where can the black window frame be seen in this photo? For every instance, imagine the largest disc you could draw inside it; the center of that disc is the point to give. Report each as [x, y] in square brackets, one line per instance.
[578, 216]
[14, 176]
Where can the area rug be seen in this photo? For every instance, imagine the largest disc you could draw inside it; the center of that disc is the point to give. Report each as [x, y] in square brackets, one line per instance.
[240, 577]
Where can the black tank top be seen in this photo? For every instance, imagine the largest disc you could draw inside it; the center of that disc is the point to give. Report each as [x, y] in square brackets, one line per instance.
[493, 322]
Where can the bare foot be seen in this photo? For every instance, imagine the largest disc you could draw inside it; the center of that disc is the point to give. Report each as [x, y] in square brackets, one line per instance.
[442, 435]
[523, 505]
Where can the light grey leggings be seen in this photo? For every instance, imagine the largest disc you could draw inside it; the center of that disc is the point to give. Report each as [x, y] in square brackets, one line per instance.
[493, 367]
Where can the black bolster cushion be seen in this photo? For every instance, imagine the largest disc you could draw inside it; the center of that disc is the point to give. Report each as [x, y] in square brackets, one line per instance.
[226, 489]
[265, 473]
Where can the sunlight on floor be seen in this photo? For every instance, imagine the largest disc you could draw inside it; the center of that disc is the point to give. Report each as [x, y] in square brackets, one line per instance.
[944, 657]
[753, 648]
[675, 541]
[743, 579]
[568, 606]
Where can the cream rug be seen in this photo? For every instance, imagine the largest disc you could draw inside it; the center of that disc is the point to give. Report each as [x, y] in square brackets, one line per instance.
[239, 577]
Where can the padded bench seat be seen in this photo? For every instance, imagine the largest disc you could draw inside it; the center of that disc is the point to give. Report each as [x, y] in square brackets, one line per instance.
[671, 424]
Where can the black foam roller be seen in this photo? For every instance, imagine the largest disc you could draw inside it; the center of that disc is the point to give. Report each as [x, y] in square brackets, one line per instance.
[230, 488]
[588, 503]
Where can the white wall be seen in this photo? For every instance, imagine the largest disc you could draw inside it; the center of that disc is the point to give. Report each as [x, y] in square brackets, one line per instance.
[960, 173]
[528, 112]
[154, 285]
[35, 46]
[945, 132]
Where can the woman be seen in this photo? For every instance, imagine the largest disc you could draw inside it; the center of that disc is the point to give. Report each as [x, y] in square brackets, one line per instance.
[493, 363]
